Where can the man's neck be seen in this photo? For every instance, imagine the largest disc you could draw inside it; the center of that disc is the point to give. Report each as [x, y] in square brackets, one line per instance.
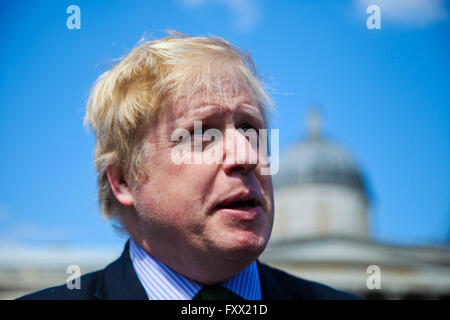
[201, 268]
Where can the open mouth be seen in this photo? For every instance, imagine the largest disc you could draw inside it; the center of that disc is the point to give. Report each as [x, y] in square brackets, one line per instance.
[239, 205]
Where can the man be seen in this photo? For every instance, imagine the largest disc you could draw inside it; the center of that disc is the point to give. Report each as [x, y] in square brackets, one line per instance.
[179, 171]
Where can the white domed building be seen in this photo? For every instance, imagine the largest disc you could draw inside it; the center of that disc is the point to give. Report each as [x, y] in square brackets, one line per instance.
[319, 192]
[321, 229]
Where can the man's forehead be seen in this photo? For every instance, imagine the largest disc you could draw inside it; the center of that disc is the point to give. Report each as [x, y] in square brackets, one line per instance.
[213, 104]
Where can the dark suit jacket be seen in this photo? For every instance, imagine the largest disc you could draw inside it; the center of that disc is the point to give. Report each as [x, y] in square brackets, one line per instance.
[119, 281]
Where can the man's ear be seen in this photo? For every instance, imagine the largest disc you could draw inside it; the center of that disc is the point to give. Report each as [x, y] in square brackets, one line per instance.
[119, 185]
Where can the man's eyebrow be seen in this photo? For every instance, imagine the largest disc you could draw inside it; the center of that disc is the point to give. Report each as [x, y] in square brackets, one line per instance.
[252, 110]
[204, 110]
[209, 109]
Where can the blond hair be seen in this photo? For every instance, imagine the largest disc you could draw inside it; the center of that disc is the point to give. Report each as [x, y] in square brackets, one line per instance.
[126, 98]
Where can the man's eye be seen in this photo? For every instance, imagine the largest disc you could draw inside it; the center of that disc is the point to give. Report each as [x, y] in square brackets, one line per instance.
[247, 127]
[198, 133]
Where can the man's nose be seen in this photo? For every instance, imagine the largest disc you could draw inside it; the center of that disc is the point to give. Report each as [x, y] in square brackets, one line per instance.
[240, 152]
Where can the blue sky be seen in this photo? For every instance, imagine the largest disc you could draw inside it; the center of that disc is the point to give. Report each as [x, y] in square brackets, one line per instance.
[384, 95]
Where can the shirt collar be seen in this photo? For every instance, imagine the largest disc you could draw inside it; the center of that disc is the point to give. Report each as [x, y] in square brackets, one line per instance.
[162, 283]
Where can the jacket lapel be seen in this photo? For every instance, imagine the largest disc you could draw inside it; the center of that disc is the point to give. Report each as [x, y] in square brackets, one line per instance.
[270, 287]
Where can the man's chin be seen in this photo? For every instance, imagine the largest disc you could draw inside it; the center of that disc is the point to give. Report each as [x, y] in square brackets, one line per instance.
[245, 248]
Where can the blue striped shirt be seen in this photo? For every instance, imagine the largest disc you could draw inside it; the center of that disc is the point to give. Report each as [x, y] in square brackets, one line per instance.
[162, 283]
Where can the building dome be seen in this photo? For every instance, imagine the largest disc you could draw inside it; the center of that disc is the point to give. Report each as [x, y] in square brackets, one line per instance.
[317, 160]
[319, 191]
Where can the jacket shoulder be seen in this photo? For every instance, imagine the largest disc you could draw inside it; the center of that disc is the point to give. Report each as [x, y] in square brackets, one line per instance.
[278, 284]
[88, 286]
